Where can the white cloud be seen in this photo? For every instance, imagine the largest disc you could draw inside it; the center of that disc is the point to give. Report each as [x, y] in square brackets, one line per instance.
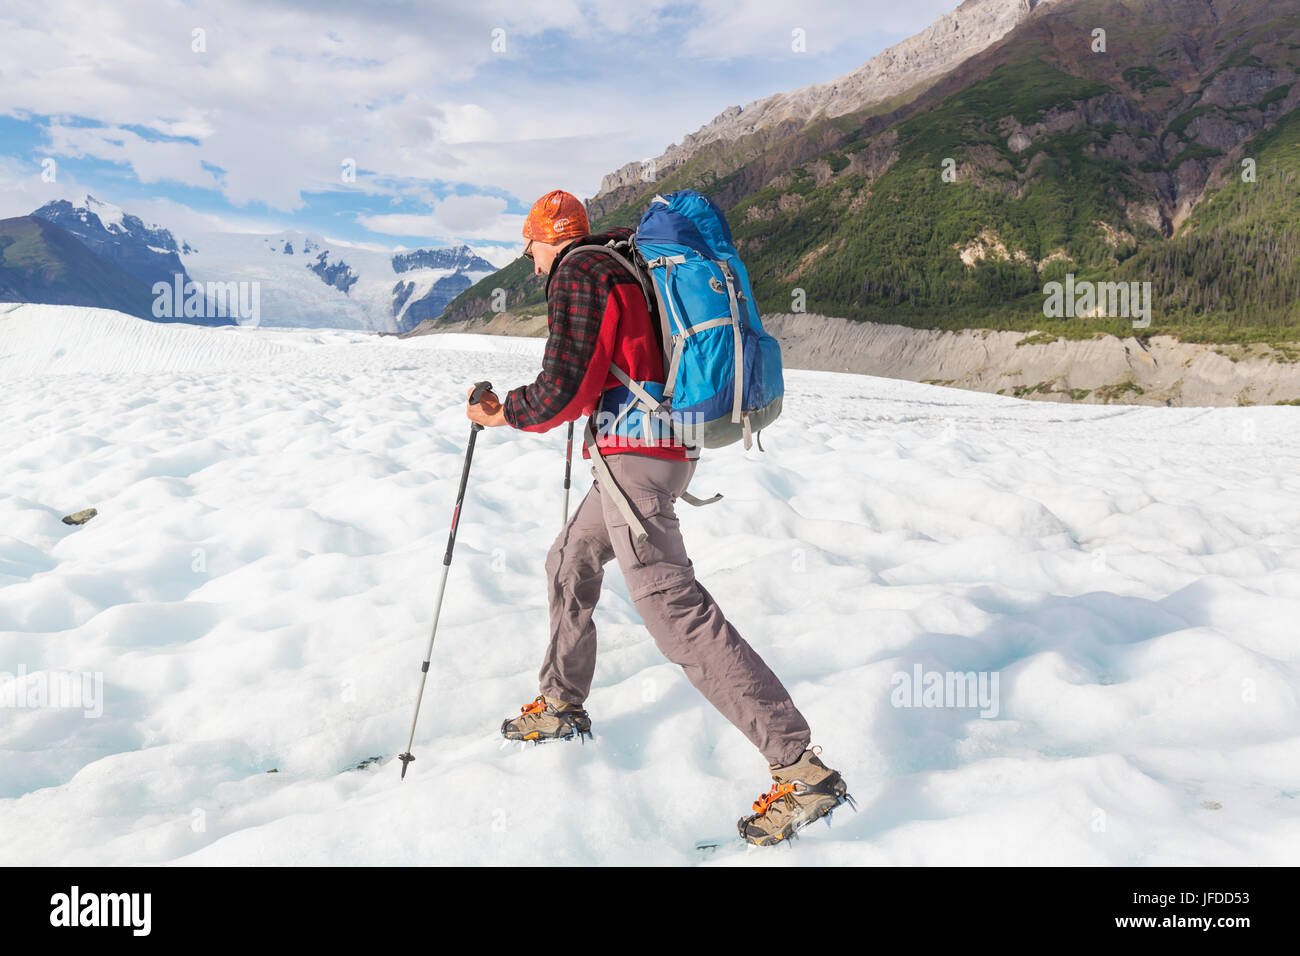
[22, 192]
[475, 217]
[185, 222]
[195, 128]
[470, 214]
[22, 189]
[399, 224]
[466, 123]
[285, 91]
[152, 160]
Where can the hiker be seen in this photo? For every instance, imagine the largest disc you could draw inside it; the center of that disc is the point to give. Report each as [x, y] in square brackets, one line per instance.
[598, 315]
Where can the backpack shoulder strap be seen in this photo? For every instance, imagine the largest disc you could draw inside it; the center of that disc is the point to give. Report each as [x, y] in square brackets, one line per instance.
[648, 289]
[625, 262]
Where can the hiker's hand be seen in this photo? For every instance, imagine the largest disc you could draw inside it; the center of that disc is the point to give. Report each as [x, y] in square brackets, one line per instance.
[488, 412]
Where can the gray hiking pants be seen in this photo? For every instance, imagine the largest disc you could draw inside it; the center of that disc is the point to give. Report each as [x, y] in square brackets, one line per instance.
[682, 617]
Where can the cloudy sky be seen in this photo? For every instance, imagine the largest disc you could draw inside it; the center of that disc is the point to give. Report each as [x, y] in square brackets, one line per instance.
[241, 114]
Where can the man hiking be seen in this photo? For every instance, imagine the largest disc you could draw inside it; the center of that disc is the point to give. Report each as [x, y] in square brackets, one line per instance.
[597, 315]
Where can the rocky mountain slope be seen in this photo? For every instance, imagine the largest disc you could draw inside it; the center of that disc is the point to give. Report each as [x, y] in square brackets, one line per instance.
[456, 269]
[147, 251]
[949, 41]
[1105, 369]
[1041, 157]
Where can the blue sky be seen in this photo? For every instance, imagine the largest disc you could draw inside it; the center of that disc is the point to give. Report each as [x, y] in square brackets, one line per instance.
[241, 115]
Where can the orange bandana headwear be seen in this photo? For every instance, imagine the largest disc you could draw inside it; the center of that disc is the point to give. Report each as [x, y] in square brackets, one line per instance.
[557, 215]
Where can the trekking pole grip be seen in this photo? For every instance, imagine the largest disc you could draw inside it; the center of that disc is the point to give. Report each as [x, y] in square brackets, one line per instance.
[476, 396]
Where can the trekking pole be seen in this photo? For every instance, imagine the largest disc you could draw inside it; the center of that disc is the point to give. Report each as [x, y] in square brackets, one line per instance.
[568, 463]
[474, 429]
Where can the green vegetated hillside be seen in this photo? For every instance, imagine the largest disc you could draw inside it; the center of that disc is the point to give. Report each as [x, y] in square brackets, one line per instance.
[1123, 165]
[41, 262]
[1232, 273]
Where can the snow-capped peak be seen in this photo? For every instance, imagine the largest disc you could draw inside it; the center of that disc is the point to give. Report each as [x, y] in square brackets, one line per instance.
[111, 217]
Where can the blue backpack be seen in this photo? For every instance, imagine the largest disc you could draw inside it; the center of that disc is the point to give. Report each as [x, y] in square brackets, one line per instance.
[723, 380]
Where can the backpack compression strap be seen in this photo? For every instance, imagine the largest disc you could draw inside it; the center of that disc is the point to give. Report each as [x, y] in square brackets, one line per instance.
[740, 348]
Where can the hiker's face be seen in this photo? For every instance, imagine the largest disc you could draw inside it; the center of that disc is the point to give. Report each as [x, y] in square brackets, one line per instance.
[543, 255]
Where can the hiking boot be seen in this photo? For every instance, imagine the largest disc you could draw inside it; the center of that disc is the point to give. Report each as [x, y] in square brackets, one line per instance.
[546, 719]
[804, 792]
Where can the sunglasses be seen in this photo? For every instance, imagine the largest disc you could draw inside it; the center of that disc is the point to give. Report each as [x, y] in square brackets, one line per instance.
[528, 250]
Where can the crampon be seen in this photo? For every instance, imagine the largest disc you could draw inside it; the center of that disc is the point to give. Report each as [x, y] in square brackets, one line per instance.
[544, 720]
[803, 793]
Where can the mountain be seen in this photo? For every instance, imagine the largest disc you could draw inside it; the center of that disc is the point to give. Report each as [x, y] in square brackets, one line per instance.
[308, 280]
[460, 266]
[299, 279]
[42, 262]
[337, 274]
[148, 252]
[1122, 165]
[903, 68]
[457, 258]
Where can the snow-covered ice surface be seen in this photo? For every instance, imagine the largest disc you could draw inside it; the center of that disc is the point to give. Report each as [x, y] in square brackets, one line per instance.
[273, 507]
